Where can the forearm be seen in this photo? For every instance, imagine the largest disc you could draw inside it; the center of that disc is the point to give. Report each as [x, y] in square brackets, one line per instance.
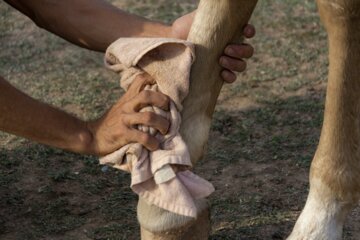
[93, 24]
[29, 118]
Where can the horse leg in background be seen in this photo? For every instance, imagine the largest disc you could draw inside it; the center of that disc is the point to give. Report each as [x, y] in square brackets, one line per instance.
[335, 170]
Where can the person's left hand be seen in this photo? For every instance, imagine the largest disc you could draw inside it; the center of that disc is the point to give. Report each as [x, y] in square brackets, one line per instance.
[234, 54]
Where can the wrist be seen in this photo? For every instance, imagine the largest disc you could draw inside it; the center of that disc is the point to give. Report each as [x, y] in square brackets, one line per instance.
[83, 140]
[161, 30]
[87, 138]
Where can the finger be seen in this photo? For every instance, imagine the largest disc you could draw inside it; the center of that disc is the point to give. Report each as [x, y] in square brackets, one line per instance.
[228, 76]
[149, 119]
[140, 82]
[148, 141]
[149, 98]
[239, 51]
[249, 31]
[233, 64]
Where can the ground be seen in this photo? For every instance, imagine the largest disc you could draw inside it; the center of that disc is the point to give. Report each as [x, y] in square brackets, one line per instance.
[264, 134]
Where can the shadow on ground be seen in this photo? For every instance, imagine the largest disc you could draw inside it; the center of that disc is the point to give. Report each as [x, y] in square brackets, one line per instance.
[257, 159]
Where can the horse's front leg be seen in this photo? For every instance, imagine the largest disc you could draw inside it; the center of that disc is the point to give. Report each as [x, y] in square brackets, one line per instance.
[217, 23]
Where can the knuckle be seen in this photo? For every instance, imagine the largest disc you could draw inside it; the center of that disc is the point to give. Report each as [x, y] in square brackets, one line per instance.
[149, 117]
[144, 77]
[124, 124]
[145, 139]
[127, 107]
[140, 79]
[145, 95]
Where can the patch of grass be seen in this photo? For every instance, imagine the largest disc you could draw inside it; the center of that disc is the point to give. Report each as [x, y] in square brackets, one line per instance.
[62, 175]
[8, 177]
[8, 162]
[95, 186]
[252, 213]
[119, 205]
[161, 10]
[55, 217]
[13, 198]
[283, 130]
[114, 232]
[91, 165]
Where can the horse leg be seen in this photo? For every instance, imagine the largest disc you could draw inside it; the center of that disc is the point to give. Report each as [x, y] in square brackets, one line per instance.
[335, 170]
[217, 23]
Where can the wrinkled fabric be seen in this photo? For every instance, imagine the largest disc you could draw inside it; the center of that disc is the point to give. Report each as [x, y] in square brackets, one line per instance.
[160, 177]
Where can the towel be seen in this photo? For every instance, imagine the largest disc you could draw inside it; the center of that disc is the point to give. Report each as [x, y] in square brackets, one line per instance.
[162, 177]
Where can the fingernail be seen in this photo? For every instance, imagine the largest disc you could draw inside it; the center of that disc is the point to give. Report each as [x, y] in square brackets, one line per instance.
[229, 78]
[225, 76]
[223, 61]
[249, 32]
[229, 51]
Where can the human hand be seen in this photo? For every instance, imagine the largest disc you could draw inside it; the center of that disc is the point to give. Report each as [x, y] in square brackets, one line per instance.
[234, 54]
[117, 127]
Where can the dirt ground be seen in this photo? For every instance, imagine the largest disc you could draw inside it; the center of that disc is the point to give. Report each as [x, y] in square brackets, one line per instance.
[264, 134]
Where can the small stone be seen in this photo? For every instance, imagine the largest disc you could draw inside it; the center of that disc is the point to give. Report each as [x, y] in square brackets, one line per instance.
[104, 169]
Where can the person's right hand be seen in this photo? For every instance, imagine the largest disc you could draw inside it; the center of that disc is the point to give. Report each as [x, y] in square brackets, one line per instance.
[117, 127]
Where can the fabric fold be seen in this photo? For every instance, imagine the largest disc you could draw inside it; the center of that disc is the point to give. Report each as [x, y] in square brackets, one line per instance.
[160, 177]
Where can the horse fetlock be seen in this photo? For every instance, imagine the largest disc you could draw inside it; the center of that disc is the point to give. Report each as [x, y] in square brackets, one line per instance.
[323, 216]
